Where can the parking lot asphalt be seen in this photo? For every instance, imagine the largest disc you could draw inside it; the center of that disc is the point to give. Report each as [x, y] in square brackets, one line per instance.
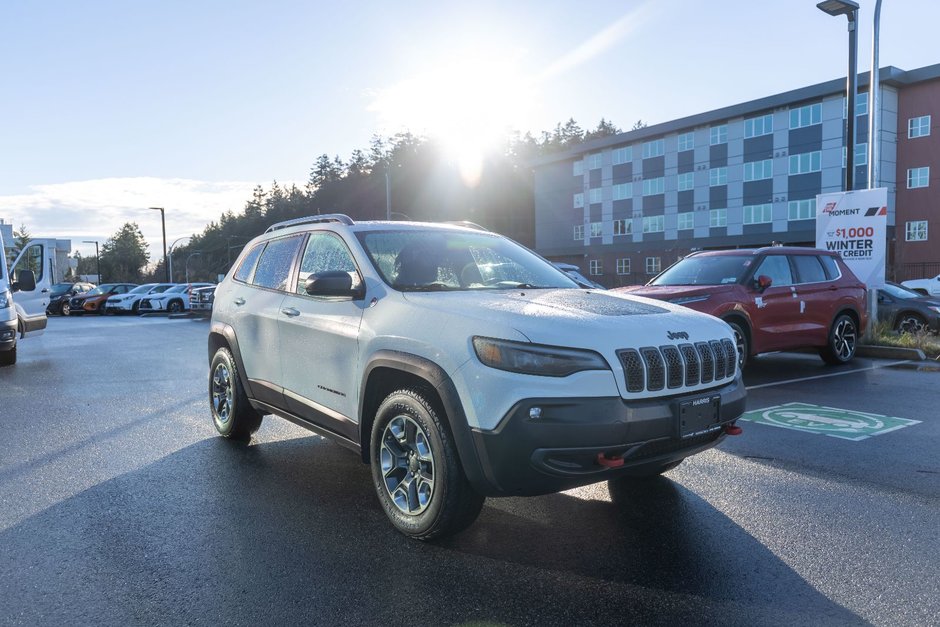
[118, 504]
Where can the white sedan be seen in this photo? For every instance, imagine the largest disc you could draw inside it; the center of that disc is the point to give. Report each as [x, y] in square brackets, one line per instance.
[174, 300]
[927, 287]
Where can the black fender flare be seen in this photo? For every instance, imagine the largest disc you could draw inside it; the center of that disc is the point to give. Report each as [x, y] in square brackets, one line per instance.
[220, 329]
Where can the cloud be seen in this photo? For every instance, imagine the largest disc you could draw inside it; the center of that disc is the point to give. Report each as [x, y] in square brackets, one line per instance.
[96, 209]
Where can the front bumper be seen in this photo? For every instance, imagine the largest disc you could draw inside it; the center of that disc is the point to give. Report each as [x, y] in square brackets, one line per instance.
[560, 449]
[8, 330]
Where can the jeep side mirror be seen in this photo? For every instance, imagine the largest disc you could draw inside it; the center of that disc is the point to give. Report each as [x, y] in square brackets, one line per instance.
[333, 283]
[25, 281]
[763, 282]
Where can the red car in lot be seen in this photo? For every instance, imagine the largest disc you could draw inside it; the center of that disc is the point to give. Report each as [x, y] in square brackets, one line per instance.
[774, 298]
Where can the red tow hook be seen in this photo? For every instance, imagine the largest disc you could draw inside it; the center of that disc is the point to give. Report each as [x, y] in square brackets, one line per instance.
[733, 429]
[609, 462]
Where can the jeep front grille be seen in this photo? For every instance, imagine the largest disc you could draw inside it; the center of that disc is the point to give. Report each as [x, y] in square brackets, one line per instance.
[667, 367]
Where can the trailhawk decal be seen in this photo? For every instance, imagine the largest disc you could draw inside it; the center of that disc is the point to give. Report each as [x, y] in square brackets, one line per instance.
[846, 424]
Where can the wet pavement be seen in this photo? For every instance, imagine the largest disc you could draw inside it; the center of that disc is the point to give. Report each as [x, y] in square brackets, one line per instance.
[119, 505]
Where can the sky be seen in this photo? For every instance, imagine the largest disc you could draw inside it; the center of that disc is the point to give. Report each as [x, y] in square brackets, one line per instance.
[109, 108]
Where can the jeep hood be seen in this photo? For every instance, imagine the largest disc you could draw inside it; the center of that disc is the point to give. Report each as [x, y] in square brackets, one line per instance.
[575, 317]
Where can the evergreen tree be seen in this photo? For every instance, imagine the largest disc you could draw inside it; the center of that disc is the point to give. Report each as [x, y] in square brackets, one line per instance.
[604, 129]
[125, 254]
[21, 239]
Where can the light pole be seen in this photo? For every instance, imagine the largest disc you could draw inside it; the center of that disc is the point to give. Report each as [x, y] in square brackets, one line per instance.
[388, 193]
[191, 255]
[166, 267]
[849, 9]
[874, 100]
[175, 242]
[97, 258]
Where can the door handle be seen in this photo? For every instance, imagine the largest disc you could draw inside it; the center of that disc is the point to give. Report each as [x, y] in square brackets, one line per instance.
[833, 288]
[290, 311]
[44, 290]
[239, 301]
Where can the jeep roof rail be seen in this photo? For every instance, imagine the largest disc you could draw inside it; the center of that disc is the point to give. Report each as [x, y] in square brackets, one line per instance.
[342, 218]
[468, 224]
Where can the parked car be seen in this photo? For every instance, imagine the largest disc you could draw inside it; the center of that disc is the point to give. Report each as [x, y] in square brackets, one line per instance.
[460, 365]
[94, 300]
[61, 293]
[201, 298]
[926, 287]
[173, 300]
[130, 302]
[908, 311]
[574, 273]
[774, 298]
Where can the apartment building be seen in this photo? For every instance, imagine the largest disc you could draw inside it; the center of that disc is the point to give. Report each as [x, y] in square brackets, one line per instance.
[626, 206]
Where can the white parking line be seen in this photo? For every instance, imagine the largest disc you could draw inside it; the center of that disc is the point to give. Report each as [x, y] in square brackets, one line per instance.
[826, 376]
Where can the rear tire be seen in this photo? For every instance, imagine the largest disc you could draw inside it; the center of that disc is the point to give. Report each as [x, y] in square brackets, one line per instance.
[910, 323]
[232, 413]
[842, 341]
[8, 358]
[175, 306]
[416, 470]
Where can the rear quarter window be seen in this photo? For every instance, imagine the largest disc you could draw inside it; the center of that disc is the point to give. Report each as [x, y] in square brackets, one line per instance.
[830, 266]
[248, 264]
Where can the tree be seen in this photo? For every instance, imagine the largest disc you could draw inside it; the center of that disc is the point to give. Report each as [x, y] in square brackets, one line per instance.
[638, 125]
[324, 171]
[604, 129]
[21, 239]
[125, 254]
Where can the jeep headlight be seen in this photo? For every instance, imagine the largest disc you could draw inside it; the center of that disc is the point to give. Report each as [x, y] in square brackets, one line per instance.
[536, 359]
[5, 299]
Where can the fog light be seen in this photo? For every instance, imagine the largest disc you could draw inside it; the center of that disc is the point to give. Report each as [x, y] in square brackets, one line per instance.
[6, 334]
[535, 413]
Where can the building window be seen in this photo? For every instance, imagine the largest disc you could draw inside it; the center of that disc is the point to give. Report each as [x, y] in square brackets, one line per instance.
[916, 231]
[686, 220]
[759, 170]
[653, 265]
[623, 227]
[861, 155]
[718, 217]
[718, 135]
[623, 191]
[597, 229]
[595, 267]
[717, 176]
[578, 201]
[594, 161]
[622, 155]
[578, 168]
[686, 141]
[762, 125]
[578, 232]
[861, 105]
[918, 177]
[654, 224]
[595, 195]
[654, 148]
[806, 162]
[806, 116]
[686, 181]
[918, 127]
[758, 214]
[655, 186]
[801, 209]
[623, 266]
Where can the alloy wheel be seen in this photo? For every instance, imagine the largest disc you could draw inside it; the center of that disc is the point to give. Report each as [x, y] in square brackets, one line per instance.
[408, 465]
[844, 338]
[911, 324]
[222, 393]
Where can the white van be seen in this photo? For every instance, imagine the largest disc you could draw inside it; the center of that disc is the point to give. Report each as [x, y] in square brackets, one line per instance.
[29, 278]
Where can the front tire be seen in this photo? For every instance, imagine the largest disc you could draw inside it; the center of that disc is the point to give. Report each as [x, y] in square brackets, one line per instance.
[416, 470]
[8, 358]
[842, 341]
[741, 343]
[175, 306]
[233, 415]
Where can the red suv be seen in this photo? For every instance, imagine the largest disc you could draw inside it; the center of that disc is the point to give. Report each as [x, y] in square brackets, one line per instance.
[775, 298]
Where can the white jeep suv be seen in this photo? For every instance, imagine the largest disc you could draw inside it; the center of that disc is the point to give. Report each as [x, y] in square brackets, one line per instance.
[461, 365]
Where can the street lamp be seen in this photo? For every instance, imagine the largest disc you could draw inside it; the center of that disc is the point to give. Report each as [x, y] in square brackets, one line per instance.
[166, 267]
[97, 258]
[874, 114]
[175, 242]
[191, 255]
[849, 9]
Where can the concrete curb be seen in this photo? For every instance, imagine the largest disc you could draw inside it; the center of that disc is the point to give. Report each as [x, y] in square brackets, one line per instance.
[890, 352]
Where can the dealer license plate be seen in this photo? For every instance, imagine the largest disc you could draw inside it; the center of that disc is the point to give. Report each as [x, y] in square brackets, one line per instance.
[698, 415]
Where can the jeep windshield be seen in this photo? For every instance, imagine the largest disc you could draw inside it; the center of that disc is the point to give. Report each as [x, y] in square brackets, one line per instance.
[706, 270]
[415, 260]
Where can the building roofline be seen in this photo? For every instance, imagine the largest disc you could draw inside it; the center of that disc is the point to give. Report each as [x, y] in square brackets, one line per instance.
[890, 75]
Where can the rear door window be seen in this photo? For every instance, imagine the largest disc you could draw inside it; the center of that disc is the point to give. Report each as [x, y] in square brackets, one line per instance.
[275, 263]
[809, 269]
[777, 268]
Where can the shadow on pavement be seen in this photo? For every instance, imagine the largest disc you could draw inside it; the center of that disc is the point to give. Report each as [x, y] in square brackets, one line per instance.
[291, 531]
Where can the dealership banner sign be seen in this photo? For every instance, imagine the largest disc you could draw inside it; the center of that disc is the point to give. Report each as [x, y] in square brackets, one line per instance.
[855, 225]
